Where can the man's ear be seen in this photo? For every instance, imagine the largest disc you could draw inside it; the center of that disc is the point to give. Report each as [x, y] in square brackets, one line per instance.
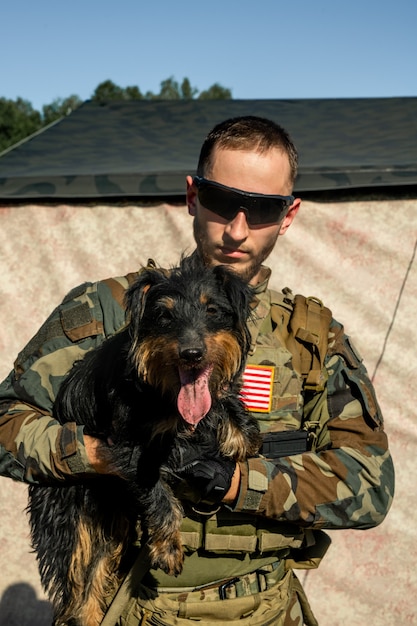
[191, 196]
[289, 218]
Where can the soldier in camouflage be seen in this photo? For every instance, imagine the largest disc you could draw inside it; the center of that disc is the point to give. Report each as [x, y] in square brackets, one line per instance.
[240, 559]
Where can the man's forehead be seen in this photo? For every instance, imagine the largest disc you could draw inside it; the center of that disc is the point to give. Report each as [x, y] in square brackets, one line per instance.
[272, 165]
[220, 153]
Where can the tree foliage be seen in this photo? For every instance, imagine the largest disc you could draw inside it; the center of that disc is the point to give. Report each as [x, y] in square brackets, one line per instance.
[18, 118]
[170, 89]
[215, 92]
[108, 90]
[59, 108]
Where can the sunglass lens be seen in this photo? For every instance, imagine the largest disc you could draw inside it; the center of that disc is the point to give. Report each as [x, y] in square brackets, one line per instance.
[227, 203]
[219, 201]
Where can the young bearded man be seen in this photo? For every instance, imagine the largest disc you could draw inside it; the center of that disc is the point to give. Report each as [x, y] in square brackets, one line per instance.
[240, 558]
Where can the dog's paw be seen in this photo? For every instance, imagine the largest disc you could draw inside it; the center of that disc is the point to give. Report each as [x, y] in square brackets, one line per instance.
[167, 554]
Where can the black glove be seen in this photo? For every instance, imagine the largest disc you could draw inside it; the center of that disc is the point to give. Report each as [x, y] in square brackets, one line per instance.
[206, 481]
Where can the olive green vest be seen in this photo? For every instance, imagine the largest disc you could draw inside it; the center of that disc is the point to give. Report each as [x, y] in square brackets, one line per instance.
[289, 334]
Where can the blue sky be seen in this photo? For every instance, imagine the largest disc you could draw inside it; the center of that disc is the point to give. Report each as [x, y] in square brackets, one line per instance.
[259, 49]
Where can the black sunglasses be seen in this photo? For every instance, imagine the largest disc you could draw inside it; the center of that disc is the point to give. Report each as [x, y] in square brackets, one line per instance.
[228, 201]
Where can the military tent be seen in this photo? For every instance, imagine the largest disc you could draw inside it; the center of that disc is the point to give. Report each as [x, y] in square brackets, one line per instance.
[101, 190]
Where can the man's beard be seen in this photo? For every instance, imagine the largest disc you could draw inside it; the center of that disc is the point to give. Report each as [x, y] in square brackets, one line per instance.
[246, 272]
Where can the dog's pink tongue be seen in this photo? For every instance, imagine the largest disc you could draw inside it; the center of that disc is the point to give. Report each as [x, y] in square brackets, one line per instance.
[194, 399]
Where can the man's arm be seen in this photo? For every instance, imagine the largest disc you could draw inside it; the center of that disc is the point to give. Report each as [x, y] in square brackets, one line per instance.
[34, 447]
[349, 483]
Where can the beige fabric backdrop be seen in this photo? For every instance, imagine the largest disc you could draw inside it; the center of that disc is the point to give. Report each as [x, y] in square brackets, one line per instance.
[354, 255]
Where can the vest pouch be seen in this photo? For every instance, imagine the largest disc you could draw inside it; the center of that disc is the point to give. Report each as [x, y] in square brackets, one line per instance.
[284, 443]
[232, 533]
[278, 536]
[310, 555]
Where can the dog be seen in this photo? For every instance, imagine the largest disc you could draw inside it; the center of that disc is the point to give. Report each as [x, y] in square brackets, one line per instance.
[167, 382]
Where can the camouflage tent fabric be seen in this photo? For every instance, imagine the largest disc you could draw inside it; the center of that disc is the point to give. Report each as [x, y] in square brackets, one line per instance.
[145, 148]
[345, 251]
[90, 197]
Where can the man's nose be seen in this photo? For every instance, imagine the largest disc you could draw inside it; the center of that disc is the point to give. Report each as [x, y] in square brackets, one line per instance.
[238, 228]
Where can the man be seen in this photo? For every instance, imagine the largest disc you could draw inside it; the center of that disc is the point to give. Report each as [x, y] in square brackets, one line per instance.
[240, 558]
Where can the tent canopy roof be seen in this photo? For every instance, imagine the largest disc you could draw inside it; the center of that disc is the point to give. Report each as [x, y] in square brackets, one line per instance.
[144, 148]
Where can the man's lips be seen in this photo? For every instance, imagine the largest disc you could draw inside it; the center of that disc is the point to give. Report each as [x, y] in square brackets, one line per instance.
[233, 252]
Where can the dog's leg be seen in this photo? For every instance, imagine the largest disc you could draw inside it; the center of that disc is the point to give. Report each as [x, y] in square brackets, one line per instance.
[105, 529]
[94, 569]
[162, 518]
[80, 536]
[53, 514]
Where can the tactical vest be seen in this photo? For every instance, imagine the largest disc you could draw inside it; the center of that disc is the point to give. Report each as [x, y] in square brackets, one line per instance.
[289, 336]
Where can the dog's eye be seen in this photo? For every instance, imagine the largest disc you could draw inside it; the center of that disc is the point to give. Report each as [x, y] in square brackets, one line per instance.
[211, 309]
[165, 316]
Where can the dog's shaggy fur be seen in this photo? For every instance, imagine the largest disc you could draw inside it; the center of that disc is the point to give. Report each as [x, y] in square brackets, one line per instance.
[165, 383]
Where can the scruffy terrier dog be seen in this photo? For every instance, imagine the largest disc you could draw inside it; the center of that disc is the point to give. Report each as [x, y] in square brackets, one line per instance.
[168, 381]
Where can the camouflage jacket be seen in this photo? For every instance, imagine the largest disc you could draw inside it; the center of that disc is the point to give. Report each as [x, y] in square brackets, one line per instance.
[346, 482]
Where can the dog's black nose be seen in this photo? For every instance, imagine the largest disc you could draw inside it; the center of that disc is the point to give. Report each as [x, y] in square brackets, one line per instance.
[191, 354]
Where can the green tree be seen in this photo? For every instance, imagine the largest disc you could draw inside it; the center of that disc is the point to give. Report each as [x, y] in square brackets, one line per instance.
[59, 108]
[108, 90]
[215, 92]
[133, 93]
[188, 92]
[18, 119]
[170, 89]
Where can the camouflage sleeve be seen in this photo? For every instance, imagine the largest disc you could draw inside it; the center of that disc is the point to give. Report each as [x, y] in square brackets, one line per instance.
[34, 447]
[348, 482]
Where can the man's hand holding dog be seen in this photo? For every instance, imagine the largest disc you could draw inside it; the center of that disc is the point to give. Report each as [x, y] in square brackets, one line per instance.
[208, 479]
[96, 457]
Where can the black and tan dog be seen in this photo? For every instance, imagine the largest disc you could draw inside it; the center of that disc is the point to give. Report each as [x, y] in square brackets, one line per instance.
[165, 383]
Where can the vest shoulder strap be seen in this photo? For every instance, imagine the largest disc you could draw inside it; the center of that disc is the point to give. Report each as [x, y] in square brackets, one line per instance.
[304, 324]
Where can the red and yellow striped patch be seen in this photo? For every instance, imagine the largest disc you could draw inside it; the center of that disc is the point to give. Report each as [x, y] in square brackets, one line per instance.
[256, 391]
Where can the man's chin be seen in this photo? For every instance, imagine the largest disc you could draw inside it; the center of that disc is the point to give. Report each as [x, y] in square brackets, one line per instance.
[247, 270]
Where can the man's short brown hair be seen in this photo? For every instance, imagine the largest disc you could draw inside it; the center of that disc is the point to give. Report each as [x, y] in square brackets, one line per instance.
[247, 133]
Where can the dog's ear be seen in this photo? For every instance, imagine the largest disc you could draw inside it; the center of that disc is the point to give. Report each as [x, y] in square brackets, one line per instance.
[240, 296]
[136, 294]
